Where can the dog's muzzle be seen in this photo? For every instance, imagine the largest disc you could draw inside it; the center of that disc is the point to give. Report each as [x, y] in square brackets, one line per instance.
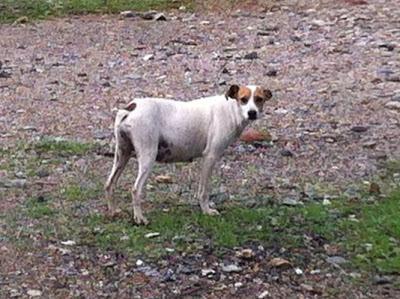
[252, 114]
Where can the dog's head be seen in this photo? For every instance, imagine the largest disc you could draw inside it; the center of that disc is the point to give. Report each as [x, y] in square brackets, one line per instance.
[250, 98]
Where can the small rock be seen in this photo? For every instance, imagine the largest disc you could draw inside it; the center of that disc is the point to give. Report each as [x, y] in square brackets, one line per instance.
[148, 57]
[278, 262]
[369, 144]
[252, 135]
[359, 129]
[393, 105]
[238, 285]
[16, 183]
[272, 73]
[388, 46]
[263, 33]
[251, 56]
[34, 293]
[159, 17]
[288, 201]
[374, 188]
[139, 263]
[164, 179]
[231, 268]
[393, 78]
[4, 74]
[128, 14]
[151, 235]
[68, 243]
[263, 295]
[245, 253]
[29, 128]
[378, 279]
[326, 202]
[21, 20]
[169, 275]
[149, 15]
[336, 260]
[298, 271]
[286, 153]
[207, 272]
[307, 287]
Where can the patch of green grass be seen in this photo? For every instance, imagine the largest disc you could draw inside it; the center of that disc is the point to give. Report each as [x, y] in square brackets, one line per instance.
[62, 147]
[37, 209]
[39, 9]
[375, 238]
[77, 192]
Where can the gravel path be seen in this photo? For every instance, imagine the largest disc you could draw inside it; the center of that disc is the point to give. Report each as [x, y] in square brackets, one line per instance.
[334, 71]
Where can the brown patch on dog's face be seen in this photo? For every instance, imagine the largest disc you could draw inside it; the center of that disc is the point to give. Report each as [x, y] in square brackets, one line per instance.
[261, 95]
[242, 94]
[130, 106]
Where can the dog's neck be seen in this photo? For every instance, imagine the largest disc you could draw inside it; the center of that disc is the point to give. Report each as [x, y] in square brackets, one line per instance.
[239, 121]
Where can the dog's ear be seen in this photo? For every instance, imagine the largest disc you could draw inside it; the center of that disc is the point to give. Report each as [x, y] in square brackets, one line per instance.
[232, 92]
[267, 94]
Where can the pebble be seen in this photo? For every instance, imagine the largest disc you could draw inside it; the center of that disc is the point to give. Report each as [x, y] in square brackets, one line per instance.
[263, 295]
[207, 272]
[159, 17]
[378, 279]
[395, 105]
[286, 153]
[251, 56]
[288, 201]
[16, 183]
[34, 293]
[337, 260]
[127, 14]
[359, 129]
[151, 235]
[231, 268]
[139, 263]
[148, 57]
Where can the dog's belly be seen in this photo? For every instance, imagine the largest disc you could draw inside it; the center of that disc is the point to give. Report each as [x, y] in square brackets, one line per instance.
[178, 150]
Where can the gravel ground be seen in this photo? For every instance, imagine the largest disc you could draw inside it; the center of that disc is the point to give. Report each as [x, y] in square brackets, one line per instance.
[334, 121]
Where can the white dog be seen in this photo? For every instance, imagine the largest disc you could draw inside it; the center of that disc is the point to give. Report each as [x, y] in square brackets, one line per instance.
[171, 131]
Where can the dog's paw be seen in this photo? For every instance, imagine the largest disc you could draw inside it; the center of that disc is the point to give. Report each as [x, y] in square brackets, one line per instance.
[140, 220]
[211, 212]
[113, 213]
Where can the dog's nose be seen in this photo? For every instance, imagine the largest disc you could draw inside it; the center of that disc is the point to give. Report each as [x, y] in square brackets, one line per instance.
[252, 114]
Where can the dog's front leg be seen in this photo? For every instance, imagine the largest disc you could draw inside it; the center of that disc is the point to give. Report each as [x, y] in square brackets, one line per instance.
[204, 185]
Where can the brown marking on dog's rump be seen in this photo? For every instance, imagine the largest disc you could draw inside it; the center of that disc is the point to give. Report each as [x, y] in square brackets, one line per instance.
[130, 107]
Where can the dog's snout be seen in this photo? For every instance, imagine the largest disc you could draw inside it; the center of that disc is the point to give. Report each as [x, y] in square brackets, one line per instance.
[252, 114]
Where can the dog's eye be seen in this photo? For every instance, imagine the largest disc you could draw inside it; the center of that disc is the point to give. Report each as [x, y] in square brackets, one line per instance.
[258, 100]
[244, 100]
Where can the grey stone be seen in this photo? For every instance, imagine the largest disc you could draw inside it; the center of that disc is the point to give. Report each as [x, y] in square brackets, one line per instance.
[336, 260]
[231, 268]
[393, 105]
[288, 201]
[251, 56]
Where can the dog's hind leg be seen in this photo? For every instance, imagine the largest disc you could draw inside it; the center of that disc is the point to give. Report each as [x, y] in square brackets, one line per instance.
[146, 159]
[121, 157]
